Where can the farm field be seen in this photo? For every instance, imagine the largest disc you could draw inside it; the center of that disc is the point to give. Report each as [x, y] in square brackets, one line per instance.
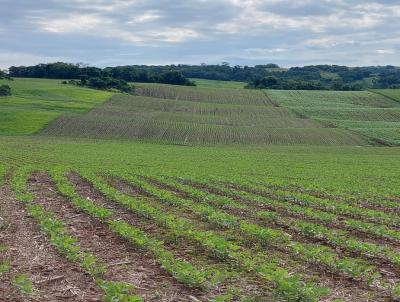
[375, 115]
[36, 102]
[200, 194]
[188, 115]
[202, 83]
[393, 94]
[230, 224]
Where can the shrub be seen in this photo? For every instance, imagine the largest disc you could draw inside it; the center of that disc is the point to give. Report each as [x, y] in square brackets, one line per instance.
[5, 90]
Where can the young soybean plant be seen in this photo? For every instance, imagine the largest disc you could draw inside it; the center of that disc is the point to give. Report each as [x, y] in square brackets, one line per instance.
[24, 284]
[183, 271]
[287, 287]
[66, 245]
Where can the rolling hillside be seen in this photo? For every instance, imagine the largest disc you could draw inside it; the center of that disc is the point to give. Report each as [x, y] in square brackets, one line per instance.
[202, 115]
[189, 115]
[36, 102]
[366, 113]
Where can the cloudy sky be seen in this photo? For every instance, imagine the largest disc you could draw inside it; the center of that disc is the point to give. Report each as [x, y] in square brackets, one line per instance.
[243, 32]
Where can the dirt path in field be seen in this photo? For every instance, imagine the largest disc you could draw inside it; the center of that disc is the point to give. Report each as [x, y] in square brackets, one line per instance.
[29, 252]
[125, 263]
[180, 248]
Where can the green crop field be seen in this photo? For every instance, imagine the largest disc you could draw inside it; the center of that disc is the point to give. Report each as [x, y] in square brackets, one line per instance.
[198, 194]
[373, 115]
[35, 103]
[249, 118]
[393, 94]
[218, 84]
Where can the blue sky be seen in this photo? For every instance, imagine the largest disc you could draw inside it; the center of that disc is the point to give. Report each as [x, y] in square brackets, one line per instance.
[242, 32]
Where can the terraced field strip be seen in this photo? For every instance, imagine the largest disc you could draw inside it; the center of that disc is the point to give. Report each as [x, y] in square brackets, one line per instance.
[285, 284]
[330, 99]
[320, 255]
[209, 95]
[67, 245]
[393, 94]
[369, 114]
[198, 123]
[333, 237]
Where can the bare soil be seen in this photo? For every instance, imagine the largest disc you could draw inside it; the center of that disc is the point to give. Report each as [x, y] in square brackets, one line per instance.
[29, 252]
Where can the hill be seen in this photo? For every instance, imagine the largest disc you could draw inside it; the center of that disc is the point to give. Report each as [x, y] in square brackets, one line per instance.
[190, 115]
[202, 115]
[36, 102]
[374, 115]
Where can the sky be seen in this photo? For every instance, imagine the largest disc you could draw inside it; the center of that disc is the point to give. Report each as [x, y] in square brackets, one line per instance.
[159, 32]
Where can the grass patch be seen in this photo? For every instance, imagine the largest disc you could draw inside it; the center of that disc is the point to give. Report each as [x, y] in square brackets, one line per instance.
[36, 102]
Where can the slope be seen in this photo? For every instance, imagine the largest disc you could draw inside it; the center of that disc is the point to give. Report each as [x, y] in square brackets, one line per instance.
[191, 115]
[366, 113]
[36, 102]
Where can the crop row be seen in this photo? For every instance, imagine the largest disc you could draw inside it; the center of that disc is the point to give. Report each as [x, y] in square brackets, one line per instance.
[186, 131]
[327, 205]
[314, 254]
[286, 285]
[304, 211]
[330, 99]
[67, 245]
[209, 95]
[335, 237]
[359, 200]
[3, 171]
[181, 270]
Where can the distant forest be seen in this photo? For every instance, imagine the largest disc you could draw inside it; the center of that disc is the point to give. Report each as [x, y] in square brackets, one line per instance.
[315, 77]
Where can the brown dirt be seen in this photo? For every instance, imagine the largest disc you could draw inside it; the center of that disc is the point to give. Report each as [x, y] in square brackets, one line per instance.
[29, 252]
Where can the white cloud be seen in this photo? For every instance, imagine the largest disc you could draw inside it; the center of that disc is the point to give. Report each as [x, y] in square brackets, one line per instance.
[10, 58]
[239, 31]
[386, 51]
[72, 23]
[263, 53]
[174, 35]
[145, 17]
[103, 26]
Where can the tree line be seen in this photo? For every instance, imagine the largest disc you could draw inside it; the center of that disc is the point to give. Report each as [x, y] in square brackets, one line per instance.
[313, 77]
[61, 70]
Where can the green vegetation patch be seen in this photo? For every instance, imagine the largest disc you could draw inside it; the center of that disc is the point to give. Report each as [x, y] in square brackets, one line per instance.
[195, 122]
[369, 114]
[393, 94]
[202, 83]
[36, 102]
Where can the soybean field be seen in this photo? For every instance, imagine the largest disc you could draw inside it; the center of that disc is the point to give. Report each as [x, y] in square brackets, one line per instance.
[199, 194]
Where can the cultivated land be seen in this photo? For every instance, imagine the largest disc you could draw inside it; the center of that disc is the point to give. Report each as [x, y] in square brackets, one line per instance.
[35, 103]
[373, 114]
[218, 84]
[125, 220]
